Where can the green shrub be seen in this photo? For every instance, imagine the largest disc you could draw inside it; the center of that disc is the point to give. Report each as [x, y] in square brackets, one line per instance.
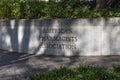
[5, 11]
[17, 9]
[78, 73]
[116, 68]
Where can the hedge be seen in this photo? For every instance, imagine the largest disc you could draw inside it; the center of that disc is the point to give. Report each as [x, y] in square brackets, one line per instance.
[82, 72]
[18, 9]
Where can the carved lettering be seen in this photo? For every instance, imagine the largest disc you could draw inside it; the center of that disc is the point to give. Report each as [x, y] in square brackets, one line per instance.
[61, 46]
[53, 30]
[59, 38]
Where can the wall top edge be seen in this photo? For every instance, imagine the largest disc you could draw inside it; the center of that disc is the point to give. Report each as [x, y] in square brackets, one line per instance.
[66, 19]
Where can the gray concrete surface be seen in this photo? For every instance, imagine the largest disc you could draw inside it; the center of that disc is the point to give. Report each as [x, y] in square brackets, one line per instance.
[20, 64]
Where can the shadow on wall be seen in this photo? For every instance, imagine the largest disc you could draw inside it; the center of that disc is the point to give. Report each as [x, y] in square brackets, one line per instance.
[26, 36]
[12, 27]
[111, 36]
[52, 24]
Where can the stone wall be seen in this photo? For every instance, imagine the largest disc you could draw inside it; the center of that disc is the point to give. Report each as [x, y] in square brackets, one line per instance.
[69, 37]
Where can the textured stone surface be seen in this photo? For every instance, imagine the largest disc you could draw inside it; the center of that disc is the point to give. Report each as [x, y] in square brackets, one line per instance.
[78, 37]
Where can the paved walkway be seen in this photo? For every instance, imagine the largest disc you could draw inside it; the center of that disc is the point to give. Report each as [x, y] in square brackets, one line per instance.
[16, 64]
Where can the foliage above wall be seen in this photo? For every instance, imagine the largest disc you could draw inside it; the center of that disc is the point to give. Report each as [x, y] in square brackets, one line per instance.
[13, 9]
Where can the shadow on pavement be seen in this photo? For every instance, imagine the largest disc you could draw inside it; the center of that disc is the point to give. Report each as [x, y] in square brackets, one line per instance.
[14, 64]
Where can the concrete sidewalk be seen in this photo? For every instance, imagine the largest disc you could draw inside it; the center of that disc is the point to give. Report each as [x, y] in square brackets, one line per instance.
[15, 64]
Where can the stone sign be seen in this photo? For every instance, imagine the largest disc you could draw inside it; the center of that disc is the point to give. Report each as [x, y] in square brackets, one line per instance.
[68, 37]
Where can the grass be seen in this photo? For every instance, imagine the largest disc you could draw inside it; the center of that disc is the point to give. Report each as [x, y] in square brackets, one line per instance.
[78, 73]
